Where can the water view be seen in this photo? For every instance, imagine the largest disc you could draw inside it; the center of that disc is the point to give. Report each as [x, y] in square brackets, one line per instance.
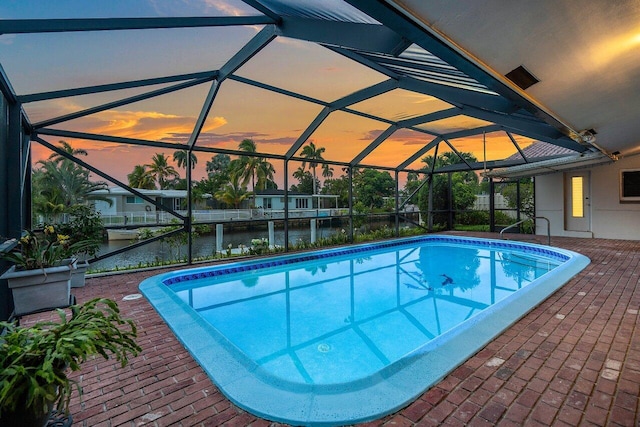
[203, 246]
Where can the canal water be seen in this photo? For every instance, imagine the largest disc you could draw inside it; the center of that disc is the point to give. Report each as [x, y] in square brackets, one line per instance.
[203, 246]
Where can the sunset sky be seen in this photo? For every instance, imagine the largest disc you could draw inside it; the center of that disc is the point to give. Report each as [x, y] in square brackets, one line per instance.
[44, 62]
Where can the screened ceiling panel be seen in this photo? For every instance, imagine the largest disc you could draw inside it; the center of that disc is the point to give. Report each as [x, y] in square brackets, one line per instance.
[44, 9]
[332, 10]
[308, 69]
[419, 164]
[54, 106]
[242, 111]
[402, 144]
[498, 146]
[162, 118]
[421, 64]
[57, 61]
[344, 135]
[400, 104]
[453, 124]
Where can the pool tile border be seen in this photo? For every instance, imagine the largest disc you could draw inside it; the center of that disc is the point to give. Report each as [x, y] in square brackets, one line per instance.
[277, 261]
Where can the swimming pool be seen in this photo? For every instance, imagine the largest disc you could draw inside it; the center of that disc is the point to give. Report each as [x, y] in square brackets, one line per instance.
[350, 334]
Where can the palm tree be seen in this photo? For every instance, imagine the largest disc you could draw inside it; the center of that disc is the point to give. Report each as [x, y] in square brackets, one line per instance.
[161, 170]
[327, 171]
[305, 181]
[265, 173]
[68, 148]
[252, 168]
[246, 166]
[180, 157]
[312, 156]
[141, 178]
[60, 185]
[233, 193]
[299, 174]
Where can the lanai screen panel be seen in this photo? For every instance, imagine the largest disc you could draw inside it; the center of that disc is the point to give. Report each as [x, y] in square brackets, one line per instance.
[242, 111]
[45, 62]
[453, 124]
[400, 104]
[308, 69]
[401, 145]
[345, 135]
[495, 145]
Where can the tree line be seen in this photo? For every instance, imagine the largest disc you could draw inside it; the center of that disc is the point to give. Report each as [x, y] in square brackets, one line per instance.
[59, 183]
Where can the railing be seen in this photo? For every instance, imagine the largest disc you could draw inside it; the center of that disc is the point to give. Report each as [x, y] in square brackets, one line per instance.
[525, 220]
[140, 218]
[210, 215]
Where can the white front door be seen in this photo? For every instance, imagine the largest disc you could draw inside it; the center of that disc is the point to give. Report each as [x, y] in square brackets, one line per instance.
[577, 201]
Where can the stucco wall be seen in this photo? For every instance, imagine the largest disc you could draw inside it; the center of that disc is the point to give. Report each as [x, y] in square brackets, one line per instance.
[610, 218]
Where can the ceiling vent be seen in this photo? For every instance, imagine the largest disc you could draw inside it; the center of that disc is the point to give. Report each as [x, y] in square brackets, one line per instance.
[522, 77]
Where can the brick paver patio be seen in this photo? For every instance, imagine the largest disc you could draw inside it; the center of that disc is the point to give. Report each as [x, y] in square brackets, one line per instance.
[573, 360]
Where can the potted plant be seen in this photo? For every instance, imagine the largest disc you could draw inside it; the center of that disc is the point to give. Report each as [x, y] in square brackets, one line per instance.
[35, 360]
[85, 226]
[41, 275]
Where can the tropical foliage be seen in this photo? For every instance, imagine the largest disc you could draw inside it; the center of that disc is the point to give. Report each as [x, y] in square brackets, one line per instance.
[161, 171]
[59, 184]
[84, 225]
[34, 360]
[43, 250]
[372, 186]
[251, 168]
[306, 181]
[338, 187]
[141, 177]
[464, 187]
[313, 156]
[181, 156]
[233, 193]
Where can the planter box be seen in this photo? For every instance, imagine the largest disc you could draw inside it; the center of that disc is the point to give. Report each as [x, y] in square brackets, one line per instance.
[40, 289]
[77, 275]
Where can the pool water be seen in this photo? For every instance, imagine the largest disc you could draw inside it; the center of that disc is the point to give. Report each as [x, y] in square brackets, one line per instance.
[350, 334]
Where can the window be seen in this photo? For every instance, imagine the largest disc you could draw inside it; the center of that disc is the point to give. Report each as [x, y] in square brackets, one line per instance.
[630, 185]
[577, 197]
[134, 200]
[302, 203]
[266, 203]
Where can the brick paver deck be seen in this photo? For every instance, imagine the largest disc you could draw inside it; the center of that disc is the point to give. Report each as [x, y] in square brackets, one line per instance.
[573, 360]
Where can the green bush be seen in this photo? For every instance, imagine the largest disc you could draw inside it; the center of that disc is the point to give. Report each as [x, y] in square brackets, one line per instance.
[473, 218]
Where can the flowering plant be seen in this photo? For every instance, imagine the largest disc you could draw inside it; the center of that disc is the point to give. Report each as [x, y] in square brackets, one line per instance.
[41, 250]
[259, 246]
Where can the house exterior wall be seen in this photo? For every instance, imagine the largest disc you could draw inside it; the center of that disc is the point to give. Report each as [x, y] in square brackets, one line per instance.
[277, 202]
[610, 218]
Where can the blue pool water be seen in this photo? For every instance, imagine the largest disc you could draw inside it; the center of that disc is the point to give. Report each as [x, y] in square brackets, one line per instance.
[350, 334]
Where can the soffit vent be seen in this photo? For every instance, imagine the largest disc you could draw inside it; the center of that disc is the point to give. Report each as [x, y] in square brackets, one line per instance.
[522, 77]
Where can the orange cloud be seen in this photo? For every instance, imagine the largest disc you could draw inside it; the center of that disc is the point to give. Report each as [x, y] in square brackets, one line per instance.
[148, 124]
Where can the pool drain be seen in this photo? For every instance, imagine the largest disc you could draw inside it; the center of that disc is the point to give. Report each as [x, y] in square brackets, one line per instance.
[324, 348]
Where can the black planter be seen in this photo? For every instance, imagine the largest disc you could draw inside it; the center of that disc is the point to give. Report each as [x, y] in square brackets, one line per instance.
[26, 417]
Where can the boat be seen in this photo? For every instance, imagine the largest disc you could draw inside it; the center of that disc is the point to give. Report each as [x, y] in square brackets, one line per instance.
[122, 234]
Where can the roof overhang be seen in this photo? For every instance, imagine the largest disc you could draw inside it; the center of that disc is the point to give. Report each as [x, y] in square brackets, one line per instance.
[559, 164]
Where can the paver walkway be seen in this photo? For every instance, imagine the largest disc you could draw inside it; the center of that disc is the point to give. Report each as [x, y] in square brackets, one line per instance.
[573, 360]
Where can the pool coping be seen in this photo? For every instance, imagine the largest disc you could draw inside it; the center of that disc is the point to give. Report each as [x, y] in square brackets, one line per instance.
[390, 390]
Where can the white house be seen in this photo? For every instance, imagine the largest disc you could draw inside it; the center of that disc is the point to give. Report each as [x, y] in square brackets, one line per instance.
[588, 195]
[124, 202]
[599, 201]
[274, 199]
